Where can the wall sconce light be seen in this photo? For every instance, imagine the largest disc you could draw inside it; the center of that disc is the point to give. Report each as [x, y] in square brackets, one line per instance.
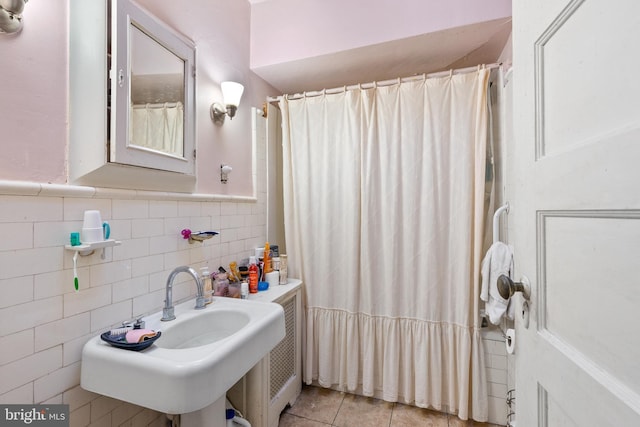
[231, 94]
[11, 15]
[225, 170]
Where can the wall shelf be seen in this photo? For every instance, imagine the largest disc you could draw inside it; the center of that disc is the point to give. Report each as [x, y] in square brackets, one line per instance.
[88, 248]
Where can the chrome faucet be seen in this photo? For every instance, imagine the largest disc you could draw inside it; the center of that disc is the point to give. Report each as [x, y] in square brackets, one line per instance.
[167, 311]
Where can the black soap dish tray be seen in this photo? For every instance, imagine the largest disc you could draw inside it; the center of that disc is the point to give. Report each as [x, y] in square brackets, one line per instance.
[119, 341]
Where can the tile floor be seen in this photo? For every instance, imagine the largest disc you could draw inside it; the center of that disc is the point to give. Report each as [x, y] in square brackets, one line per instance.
[319, 407]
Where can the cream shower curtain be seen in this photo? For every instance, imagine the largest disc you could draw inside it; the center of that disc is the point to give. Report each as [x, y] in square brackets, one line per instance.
[384, 196]
[158, 127]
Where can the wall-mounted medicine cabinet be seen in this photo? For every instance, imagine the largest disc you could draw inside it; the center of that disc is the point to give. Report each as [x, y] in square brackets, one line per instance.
[132, 99]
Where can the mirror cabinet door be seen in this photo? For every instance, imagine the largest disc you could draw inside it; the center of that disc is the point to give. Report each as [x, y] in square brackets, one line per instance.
[152, 92]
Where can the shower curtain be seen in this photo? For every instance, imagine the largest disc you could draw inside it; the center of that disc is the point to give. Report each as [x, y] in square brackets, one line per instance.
[384, 196]
[158, 127]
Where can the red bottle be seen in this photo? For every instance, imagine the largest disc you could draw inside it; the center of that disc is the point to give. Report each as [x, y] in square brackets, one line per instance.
[253, 275]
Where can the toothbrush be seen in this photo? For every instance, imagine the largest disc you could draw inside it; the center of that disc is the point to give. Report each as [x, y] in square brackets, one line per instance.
[75, 271]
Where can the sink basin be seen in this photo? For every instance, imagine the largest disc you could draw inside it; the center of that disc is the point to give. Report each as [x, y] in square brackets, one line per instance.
[200, 355]
[204, 328]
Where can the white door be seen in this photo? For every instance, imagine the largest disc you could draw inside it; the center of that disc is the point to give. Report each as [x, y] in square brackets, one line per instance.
[574, 188]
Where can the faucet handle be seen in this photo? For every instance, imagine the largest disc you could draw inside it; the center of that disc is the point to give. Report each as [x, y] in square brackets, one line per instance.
[135, 324]
[139, 324]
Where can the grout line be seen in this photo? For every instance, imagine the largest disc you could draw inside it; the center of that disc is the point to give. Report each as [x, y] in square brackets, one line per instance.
[335, 417]
[393, 408]
[305, 418]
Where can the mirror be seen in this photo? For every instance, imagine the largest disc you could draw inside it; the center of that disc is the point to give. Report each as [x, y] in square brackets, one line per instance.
[123, 61]
[152, 98]
[157, 96]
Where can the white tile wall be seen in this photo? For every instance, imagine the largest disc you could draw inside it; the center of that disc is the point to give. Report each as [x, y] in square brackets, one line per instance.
[44, 323]
[495, 356]
[16, 291]
[16, 346]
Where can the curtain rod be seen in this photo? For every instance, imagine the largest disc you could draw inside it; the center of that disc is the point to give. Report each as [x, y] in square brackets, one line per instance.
[384, 82]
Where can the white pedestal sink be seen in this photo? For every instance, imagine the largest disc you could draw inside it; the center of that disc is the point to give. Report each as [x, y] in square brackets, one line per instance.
[199, 356]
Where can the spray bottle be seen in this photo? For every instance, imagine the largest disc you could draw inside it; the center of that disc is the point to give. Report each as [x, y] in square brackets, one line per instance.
[253, 275]
[234, 421]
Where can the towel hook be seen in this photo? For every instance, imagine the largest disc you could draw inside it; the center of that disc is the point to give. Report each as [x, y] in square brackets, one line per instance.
[507, 287]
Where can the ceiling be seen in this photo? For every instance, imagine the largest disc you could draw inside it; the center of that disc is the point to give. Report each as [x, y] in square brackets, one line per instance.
[460, 47]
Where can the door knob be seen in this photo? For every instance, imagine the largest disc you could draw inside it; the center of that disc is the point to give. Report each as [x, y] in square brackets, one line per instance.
[507, 287]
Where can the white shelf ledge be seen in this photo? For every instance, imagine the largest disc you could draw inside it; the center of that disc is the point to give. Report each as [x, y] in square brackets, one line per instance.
[88, 248]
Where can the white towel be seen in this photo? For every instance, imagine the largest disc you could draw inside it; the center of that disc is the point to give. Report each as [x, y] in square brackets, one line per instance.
[497, 261]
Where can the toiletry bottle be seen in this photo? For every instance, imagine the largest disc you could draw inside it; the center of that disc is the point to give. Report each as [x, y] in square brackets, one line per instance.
[253, 275]
[244, 290]
[234, 290]
[221, 283]
[234, 274]
[206, 281]
[283, 269]
[234, 420]
[267, 260]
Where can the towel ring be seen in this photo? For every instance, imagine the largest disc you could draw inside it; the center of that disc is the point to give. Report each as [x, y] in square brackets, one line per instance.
[507, 287]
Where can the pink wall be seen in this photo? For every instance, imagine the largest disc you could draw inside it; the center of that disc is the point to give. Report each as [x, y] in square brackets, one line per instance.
[33, 96]
[34, 87]
[287, 30]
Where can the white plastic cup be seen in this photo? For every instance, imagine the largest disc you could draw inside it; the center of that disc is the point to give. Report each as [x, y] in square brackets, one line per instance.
[92, 235]
[92, 219]
[93, 229]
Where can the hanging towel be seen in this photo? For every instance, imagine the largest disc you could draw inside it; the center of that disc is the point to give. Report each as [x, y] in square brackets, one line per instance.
[497, 261]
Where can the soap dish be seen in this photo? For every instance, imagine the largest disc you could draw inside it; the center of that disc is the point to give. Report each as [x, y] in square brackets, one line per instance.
[120, 342]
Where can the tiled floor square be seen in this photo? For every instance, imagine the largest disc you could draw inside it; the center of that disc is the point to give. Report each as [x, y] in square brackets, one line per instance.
[411, 416]
[288, 420]
[317, 404]
[320, 407]
[360, 411]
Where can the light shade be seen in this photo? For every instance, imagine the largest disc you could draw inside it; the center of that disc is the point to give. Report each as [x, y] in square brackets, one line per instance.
[231, 93]
[11, 15]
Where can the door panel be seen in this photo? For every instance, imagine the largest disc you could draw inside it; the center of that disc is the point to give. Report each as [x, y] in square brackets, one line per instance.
[586, 74]
[579, 289]
[573, 184]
